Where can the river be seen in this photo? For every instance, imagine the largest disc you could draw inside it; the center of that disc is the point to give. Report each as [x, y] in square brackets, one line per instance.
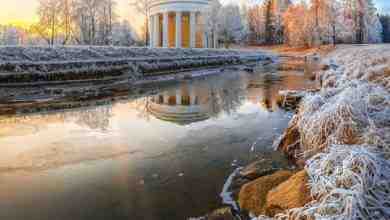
[163, 156]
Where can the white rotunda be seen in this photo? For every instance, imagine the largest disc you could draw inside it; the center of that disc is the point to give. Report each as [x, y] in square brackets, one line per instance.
[179, 23]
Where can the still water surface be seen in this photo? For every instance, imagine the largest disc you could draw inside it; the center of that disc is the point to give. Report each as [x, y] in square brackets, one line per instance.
[164, 156]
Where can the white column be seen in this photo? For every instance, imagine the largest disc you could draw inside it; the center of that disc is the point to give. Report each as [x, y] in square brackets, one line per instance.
[178, 29]
[153, 30]
[150, 26]
[215, 39]
[192, 29]
[165, 29]
[204, 40]
[192, 96]
[178, 97]
[166, 98]
[156, 30]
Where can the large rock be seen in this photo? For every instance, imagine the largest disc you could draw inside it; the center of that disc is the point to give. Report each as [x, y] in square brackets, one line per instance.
[289, 142]
[252, 197]
[259, 168]
[290, 99]
[268, 164]
[219, 214]
[293, 193]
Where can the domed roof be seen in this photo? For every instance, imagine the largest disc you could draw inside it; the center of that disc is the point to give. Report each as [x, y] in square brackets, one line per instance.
[158, 6]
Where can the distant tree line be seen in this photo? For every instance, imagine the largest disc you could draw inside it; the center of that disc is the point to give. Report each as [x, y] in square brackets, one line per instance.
[302, 23]
[77, 22]
[385, 20]
[314, 22]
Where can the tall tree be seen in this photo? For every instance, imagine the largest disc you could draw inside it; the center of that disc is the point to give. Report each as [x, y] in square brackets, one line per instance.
[385, 21]
[295, 28]
[106, 20]
[256, 21]
[212, 22]
[362, 18]
[143, 6]
[230, 24]
[49, 13]
[94, 21]
[66, 19]
[266, 20]
[269, 22]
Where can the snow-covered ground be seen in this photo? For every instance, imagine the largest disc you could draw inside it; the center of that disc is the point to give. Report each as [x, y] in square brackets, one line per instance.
[345, 137]
[366, 63]
[85, 53]
[45, 64]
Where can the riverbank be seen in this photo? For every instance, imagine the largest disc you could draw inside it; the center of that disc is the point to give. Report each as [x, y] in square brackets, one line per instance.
[338, 142]
[29, 66]
[63, 77]
[120, 158]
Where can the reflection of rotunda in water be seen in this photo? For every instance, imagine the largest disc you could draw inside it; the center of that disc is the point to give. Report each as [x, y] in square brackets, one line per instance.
[182, 106]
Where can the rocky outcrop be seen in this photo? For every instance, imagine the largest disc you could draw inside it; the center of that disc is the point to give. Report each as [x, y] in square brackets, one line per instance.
[259, 168]
[224, 213]
[221, 214]
[253, 195]
[290, 99]
[276, 193]
[293, 193]
[343, 128]
[268, 164]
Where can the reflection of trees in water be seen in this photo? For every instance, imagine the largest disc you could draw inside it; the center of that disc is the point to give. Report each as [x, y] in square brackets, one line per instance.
[95, 118]
[141, 106]
[225, 95]
[269, 88]
[263, 90]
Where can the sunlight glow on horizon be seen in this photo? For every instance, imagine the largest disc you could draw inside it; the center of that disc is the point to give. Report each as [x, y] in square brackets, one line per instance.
[18, 11]
[25, 11]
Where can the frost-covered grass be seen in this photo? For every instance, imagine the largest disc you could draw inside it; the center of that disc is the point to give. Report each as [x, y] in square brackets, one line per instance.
[355, 113]
[345, 137]
[347, 182]
[370, 63]
[84, 53]
[86, 63]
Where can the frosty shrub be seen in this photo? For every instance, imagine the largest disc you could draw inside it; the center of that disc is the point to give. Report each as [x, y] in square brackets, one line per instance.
[347, 182]
[357, 113]
[369, 64]
[344, 137]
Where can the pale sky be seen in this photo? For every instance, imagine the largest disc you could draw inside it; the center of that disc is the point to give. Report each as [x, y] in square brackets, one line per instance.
[25, 10]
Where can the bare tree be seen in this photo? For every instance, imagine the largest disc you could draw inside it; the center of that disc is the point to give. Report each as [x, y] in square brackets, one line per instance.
[212, 22]
[107, 17]
[48, 27]
[230, 25]
[66, 19]
[143, 6]
[93, 21]
[86, 17]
